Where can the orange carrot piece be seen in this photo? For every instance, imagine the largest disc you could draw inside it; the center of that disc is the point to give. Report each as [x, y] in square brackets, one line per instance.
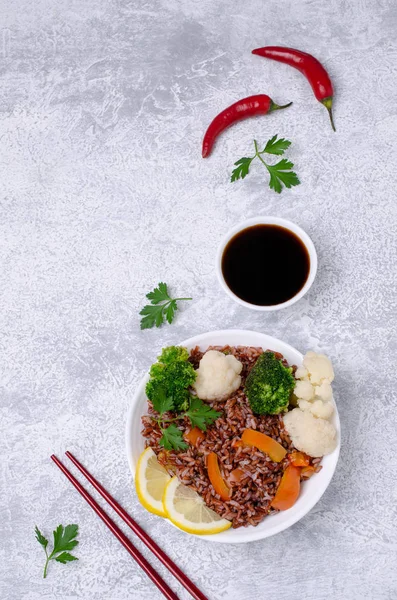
[214, 473]
[299, 459]
[288, 490]
[237, 475]
[265, 443]
[237, 443]
[307, 472]
[195, 436]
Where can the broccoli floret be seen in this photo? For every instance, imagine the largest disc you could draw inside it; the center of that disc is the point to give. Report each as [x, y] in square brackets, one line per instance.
[269, 385]
[172, 374]
[173, 354]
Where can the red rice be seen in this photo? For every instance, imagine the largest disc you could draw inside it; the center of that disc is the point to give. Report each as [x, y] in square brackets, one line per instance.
[251, 497]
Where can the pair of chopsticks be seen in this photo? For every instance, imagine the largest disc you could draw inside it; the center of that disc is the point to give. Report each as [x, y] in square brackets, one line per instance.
[123, 539]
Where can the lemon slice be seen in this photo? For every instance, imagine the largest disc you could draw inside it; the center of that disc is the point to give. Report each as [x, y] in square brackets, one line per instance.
[188, 511]
[151, 479]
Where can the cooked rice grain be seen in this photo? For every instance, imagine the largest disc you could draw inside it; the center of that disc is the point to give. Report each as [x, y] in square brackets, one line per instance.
[252, 495]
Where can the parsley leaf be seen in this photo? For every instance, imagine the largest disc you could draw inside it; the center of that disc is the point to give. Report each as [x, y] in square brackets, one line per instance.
[40, 538]
[201, 414]
[162, 306]
[172, 438]
[161, 402]
[170, 311]
[275, 146]
[242, 169]
[153, 316]
[65, 557]
[159, 294]
[279, 174]
[64, 540]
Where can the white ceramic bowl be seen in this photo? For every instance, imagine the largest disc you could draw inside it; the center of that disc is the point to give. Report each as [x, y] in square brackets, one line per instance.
[311, 490]
[302, 235]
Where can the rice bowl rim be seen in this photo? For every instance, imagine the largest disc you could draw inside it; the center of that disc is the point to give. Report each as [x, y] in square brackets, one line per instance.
[312, 489]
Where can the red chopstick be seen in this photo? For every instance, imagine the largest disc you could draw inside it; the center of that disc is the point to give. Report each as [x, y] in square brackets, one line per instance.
[123, 539]
[137, 529]
[157, 551]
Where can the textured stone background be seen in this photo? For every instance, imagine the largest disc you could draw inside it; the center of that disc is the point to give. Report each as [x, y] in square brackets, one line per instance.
[103, 104]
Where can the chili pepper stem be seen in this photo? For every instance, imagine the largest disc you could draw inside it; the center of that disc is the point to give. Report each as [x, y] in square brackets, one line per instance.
[274, 106]
[328, 105]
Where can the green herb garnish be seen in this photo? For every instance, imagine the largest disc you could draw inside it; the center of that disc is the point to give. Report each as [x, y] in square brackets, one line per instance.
[275, 146]
[172, 438]
[200, 415]
[63, 542]
[162, 306]
[280, 173]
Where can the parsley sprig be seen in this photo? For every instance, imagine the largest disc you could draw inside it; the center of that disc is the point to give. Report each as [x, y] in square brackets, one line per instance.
[200, 415]
[280, 173]
[64, 540]
[162, 306]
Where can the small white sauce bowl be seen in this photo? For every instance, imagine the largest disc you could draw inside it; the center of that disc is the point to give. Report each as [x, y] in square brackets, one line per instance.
[302, 235]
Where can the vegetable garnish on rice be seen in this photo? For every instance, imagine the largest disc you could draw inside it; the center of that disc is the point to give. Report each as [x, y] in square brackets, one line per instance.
[233, 437]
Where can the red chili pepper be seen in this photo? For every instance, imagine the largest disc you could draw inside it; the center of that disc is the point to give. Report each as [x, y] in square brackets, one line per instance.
[311, 68]
[247, 107]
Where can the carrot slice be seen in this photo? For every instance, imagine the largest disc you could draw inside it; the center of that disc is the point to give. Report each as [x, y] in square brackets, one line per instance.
[299, 459]
[307, 472]
[288, 490]
[237, 443]
[237, 475]
[265, 443]
[195, 436]
[214, 473]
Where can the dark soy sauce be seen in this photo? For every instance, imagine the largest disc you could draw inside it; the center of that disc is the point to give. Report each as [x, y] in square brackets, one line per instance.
[265, 264]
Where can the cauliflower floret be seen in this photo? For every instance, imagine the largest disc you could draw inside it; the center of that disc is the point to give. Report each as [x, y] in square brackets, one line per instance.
[318, 408]
[304, 390]
[312, 435]
[301, 373]
[322, 410]
[324, 391]
[218, 376]
[304, 405]
[319, 367]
